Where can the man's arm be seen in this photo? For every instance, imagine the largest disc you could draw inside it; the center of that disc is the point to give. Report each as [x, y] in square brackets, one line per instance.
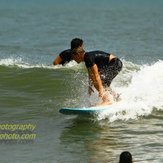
[95, 77]
[57, 61]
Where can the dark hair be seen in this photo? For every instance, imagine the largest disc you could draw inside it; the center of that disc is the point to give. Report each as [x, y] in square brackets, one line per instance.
[125, 157]
[76, 42]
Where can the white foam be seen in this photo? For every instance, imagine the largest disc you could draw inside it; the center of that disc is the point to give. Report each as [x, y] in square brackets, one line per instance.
[10, 61]
[19, 62]
[141, 96]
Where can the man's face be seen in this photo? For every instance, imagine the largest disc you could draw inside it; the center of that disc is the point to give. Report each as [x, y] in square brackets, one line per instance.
[78, 55]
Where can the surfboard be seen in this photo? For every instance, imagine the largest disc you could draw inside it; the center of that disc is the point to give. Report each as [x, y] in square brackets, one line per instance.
[85, 110]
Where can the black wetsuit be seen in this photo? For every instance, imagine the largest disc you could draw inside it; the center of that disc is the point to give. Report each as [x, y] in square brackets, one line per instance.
[66, 56]
[107, 70]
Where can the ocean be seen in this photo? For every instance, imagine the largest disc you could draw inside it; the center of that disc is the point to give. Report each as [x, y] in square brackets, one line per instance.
[32, 90]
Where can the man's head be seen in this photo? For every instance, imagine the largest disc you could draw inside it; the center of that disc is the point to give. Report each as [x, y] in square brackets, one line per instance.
[76, 42]
[125, 157]
[78, 54]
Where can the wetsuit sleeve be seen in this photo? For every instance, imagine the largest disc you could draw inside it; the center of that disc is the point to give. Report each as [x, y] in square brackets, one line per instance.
[89, 61]
[65, 56]
[62, 54]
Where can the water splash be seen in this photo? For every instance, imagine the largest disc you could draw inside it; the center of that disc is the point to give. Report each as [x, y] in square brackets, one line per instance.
[140, 96]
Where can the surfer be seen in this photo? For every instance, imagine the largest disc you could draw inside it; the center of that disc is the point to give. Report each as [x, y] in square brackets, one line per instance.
[102, 68]
[65, 56]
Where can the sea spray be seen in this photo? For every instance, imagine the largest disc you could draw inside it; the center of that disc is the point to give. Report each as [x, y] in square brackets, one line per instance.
[141, 96]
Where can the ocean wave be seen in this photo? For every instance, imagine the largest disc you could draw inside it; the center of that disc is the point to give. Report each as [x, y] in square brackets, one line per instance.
[141, 87]
[21, 63]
